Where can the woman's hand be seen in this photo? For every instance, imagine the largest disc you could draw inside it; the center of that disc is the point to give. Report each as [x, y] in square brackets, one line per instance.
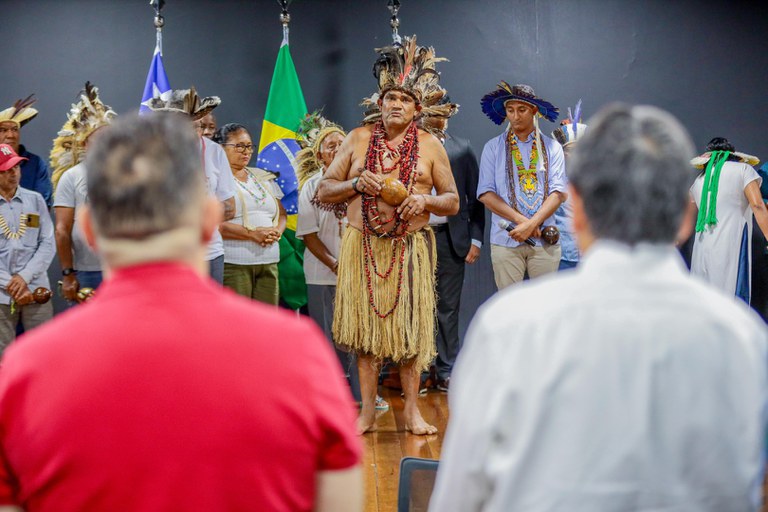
[265, 236]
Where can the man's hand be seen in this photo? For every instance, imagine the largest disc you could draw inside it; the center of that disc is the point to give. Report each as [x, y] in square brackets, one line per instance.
[369, 183]
[69, 287]
[16, 286]
[25, 298]
[473, 254]
[265, 236]
[525, 230]
[413, 206]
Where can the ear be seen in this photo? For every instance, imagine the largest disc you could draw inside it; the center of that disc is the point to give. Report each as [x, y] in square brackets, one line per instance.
[213, 215]
[85, 221]
[418, 107]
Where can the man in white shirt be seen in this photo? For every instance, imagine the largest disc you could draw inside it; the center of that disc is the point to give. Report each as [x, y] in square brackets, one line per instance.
[218, 175]
[625, 384]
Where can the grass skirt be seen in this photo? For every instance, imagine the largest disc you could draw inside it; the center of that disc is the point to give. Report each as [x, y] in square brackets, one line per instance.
[407, 333]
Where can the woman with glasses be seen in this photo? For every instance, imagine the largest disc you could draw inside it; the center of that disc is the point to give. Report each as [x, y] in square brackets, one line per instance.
[251, 251]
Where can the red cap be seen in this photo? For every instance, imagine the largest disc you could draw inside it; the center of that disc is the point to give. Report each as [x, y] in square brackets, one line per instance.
[8, 158]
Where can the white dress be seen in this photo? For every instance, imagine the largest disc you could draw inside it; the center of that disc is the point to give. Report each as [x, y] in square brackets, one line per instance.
[722, 253]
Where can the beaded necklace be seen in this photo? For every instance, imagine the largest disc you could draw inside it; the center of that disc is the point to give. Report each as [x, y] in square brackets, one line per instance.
[528, 179]
[8, 232]
[260, 200]
[406, 155]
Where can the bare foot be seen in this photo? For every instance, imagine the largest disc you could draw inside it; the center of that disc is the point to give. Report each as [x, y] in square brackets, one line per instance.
[415, 424]
[366, 423]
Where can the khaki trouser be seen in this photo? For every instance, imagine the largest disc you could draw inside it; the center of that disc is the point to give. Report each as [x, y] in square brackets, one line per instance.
[258, 282]
[31, 316]
[510, 263]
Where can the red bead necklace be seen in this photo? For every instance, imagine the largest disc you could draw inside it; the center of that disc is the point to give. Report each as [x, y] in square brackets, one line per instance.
[406, 155]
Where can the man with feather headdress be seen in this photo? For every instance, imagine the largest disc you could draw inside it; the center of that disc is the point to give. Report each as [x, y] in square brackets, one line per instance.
[522, 181]
[35, 174]
[80, 265]
[386, 171]
[218, 174]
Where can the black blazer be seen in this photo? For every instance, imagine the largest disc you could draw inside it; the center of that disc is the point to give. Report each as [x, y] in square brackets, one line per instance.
[469, 223]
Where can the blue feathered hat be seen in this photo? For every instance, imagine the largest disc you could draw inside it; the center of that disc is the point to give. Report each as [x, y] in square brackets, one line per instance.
[493, 102]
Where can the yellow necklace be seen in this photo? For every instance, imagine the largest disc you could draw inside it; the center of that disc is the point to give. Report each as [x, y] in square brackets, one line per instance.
[8, 232]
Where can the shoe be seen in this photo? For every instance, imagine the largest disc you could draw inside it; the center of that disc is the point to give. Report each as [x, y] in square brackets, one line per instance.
[444, 384]
[381, 404]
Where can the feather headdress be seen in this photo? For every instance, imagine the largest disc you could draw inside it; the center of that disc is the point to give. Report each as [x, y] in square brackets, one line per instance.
[412, 69]
[313, 129]
[493, 103]
[21, 112]
[186, 101]
[699, 162]
[570, 129]
[84, 118]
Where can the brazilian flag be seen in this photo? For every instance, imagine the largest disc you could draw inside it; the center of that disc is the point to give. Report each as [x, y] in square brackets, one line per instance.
[277, 149]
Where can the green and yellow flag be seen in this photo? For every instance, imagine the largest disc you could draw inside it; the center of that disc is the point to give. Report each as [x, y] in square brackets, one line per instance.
[285, 110]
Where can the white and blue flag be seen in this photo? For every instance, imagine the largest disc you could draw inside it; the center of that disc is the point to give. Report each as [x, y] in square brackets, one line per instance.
[157, 85]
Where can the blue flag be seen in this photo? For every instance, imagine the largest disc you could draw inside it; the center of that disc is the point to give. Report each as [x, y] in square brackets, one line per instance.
[157, 85]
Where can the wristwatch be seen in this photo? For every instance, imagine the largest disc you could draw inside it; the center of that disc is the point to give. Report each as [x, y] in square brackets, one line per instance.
[354, 184]
[68, 271]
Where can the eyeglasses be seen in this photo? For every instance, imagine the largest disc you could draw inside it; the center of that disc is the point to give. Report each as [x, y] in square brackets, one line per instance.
[242, 148]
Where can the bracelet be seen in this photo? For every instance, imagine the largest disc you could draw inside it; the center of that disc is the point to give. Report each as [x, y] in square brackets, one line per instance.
[354, 184]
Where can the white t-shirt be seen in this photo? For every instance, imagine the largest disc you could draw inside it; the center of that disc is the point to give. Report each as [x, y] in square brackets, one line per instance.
[72, 192]
[328, 228]
[718, 251]
[259, 195]
[630, 386]
[220, 184]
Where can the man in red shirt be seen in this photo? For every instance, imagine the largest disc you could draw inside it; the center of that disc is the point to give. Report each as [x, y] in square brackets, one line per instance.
[166, 392]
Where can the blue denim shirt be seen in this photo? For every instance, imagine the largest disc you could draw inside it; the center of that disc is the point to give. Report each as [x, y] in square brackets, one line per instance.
[36, 175]
[494, 178]
[31, 255]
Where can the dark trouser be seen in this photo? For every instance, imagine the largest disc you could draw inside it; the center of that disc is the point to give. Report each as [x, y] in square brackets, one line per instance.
[320, 303]
[216, 268]
[450, 279]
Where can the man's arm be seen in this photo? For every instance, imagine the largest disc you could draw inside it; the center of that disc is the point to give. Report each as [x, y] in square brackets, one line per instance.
[334, 187]
[65, 220]
[445, 202]
[752, 192]
[339, 491]
[43, 256]
[229, 208]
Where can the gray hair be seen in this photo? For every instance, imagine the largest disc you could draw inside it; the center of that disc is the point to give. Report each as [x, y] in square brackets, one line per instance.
[632, 171]
[144, 176]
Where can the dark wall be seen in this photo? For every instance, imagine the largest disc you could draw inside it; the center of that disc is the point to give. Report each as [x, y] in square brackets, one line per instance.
[706, 62]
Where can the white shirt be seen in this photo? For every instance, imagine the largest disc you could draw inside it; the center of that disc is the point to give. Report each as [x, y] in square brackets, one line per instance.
[623, 385]
[259, 194]
[72, 192]
[220, 184]
[719, 250]
[328, 228]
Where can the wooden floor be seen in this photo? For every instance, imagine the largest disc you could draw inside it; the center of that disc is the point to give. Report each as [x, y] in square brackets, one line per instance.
[385, 448]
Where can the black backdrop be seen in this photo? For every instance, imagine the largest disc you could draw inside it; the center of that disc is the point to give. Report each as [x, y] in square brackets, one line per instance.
[704, 61]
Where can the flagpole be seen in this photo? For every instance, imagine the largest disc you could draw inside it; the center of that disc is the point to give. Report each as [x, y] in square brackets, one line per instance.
[394, 22]
[159, 23]
[285, 19]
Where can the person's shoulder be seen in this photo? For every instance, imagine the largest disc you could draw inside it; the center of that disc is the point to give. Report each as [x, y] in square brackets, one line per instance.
[721, 309]
[33, 157]
[31, 194]
[359, 134]
[494, 141]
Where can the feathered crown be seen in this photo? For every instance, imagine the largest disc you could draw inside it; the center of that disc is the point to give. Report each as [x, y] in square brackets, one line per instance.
[85, 117]
[311, 126]
[570, 129]
[412, 69]
[21, 112]
[493, 103]
[186, 101]
[313, 129]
